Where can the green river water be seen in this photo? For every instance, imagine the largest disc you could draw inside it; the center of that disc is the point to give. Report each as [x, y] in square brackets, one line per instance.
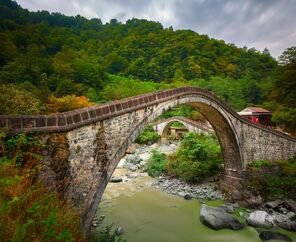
[150, 215]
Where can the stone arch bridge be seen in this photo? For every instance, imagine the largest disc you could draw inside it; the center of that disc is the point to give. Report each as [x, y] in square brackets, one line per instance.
[162, 126]
[84, 146]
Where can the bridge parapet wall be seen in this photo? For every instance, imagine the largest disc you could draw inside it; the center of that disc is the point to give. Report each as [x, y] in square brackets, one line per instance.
[81, 117]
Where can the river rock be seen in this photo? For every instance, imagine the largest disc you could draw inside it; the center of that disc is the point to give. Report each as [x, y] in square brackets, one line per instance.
[288, 225]
[279, 217]
[144, 156]
[119, 231]
[260, 219]
[290, 204]
[291, 215]
[252, 199]
[115, 179]
[270, 235]
[187, 197]
[217, 218]
[132, 175]
[134, 159]
[273, 204]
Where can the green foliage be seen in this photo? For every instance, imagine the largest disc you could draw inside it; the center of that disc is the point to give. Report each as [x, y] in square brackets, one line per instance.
[238, 93]
[122, 87]
[182, 110]
[59, 55]
[197, 158]
[177, 124]
[156, 163]
[283, 95]
[19, 148]
[278, 183]
[288, 56]
[15, 100]
[75, 54]
[66, 103]
[148, 136]
[28, 211]
[259, 164]
[107, 235]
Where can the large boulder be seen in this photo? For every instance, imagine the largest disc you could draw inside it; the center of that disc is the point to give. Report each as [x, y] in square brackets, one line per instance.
[270, 235]
[260, 219]
[218, 218]
[288, 225]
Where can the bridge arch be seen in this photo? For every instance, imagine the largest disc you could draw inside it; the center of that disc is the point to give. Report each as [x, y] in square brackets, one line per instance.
[98, 137]
[212, 111]
[163, 125]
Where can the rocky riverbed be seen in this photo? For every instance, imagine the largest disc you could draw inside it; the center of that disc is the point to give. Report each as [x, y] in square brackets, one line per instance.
[271, 218]
[136, 160]
[207, 191]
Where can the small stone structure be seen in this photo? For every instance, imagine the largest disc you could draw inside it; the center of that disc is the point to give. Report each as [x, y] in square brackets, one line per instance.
[84, 146]
[162, 126]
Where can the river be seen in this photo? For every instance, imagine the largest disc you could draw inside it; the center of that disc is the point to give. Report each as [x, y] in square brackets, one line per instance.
[148, 214]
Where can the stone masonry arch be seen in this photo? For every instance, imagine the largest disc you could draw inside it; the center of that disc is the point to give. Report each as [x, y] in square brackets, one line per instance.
[93, 140]
[162, 126]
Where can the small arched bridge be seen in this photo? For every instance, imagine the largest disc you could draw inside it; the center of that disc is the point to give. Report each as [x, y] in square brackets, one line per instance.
[84, 146]
[163, 125]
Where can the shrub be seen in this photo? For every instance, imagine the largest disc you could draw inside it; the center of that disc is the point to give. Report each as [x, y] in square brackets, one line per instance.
[66, 103]
[28, 210]
[14, 100]
[107, 235]
[197, 158]
[278, 183]
[148, 136]
[177, 124]
[156, 163]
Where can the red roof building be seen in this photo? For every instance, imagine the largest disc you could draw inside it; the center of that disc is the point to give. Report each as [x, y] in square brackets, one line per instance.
[257, 115]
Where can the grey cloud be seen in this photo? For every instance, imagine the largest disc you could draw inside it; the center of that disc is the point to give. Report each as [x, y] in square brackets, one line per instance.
[252, 23]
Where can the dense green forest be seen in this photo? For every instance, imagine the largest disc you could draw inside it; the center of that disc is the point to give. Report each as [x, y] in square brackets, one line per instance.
[53, 63]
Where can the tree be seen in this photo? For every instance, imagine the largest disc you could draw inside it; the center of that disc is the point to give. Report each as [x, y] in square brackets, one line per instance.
[266, 52]
[14, 100]
[8, 50]
[288, 56]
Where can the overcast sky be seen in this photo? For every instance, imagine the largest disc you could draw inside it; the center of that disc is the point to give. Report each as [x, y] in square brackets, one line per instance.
[251, 23]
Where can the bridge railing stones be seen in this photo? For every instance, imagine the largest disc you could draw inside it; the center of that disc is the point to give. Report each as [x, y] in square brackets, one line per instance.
[74, 119]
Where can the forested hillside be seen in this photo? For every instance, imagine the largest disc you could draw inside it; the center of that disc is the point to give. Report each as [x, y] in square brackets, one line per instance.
[57, 63]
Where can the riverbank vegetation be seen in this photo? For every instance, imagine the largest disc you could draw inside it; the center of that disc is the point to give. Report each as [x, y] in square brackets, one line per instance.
[273, 180]
[148, 136]
[198, 157]
[29, 211]
[46, 56]
[106, 234]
